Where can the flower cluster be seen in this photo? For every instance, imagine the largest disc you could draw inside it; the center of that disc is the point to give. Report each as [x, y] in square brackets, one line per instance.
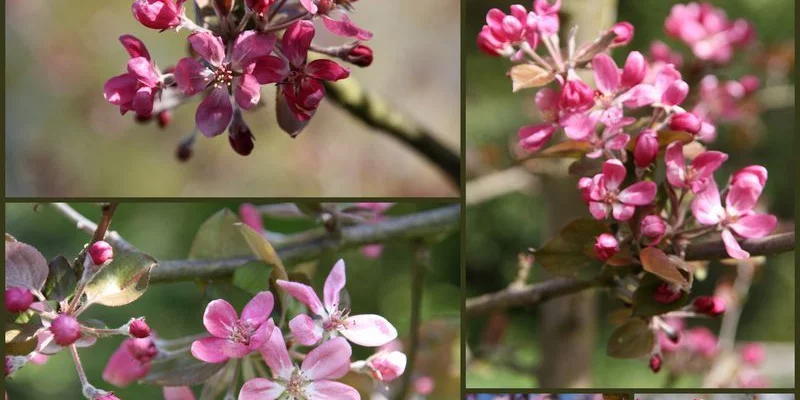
[232, 59]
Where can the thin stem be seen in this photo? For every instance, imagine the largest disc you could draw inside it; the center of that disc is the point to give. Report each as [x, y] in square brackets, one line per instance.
[86, 225]
[419, 271]
[276, 9]
[730, 320]
[78, 366]
[285, 24]
[99, 234]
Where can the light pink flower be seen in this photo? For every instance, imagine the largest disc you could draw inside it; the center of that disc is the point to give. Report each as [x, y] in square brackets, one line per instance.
[582, 126]
[314, 379]
[386, 366]
[138, 88]
[737, 216]
[178, 393]
[695, 176]
[753, 353]
[533, 137]
[366, 329]
[130, 362]
[241, 72]
[708, 31]
[342, 26]
[607, 198]
[231, 336]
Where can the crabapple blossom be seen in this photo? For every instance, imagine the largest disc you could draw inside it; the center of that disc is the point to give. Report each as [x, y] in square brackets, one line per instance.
[653, 227]
[646, 148]
[655, 363]
[66, 329]
[360, 55]
[342, 26]
[158, 14]
[709, 305]
[686, 121]
[139, 329]
[232, 336]
[100, 252]
[366, 329]
[313, 379]
[753, 353]
[138, 88]
[178, 393]
[607, 198]
[18, 299]
[708, 31]
[130, 362]
[606, 246]
[695, 176]
[386, 365]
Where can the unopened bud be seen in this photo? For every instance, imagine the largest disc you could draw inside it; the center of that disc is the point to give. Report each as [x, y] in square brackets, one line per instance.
[101, 252]
[18, 299]
[360, 55]
[709, 305]
[606, 246]
[646, 148]
[686, 121]
[666, 294]
[139, 329]
[66, 330]
[164, 118]
[624, 32]
[653, 227]
[655, 363]
[239, 136]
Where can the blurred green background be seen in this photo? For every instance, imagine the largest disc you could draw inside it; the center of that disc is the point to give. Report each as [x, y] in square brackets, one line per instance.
[498, 229]
[64, 139]
[166, 231]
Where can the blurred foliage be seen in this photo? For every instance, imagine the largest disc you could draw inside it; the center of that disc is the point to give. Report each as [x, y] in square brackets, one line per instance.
[63, 138]
[166, 231]
[499, 229]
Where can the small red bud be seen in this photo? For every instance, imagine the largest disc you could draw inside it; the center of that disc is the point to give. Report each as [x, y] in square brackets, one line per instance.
[239, 136]
[750, 83]
[184, 150]
[653, 227]
[101, 252]
[18, 299]
[606, 246]
[360, 55]
[655, 363]
[624, 32]
[139, 329]
[164, 118]
[709, 305]
[687, 122]
[666, 294]
[66, 330]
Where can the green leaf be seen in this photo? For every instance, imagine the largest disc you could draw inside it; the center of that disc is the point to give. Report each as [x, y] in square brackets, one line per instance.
[181, 369]
[266, 253]
[634, 339]
[219, 238]
[21, 339]
[252, 277]
[122, 281]
[61, 280]
[645, 304]
[656, 262]
[571, 252]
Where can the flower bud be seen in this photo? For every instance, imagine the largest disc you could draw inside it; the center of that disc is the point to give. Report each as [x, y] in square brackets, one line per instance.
[624, 32]
[158, 14]
[386, 365]
[653, 227]
[164, 118]
[139, 329]
[18, 299]
[101, 252]
[259, 7]
[424, 385]
[606, 246]
[130, 362]
[686, 121]
[533, 137]
[239, 135]
[489, 43]
[184, 150]
[576, 94]
[666, 294]
[106, 396]
[750, 83]
[646, 148]
[753, 354]
[585, 187]
[66, 329]
[223, 7]
[634, 70]
[675, 93]
[709, 305]
[655, 363]
[360, 55]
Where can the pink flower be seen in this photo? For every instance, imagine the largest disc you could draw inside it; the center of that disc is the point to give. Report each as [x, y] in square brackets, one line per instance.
[424, 385]
[666, 90]
[606, 196]
[685, 122]
[100, 252]
[653, 227]
[360, 55]
[737, 216]
[66, 330]
[606, 246]
[386, 365]
[753, 354]
[259, 7]
[242, 72]
[700, 341]
[533, 137]
[139, 329]
[646, 148]
[18, 299]
[708, 31]
[695, 176]
[582, 126]
[624, 32]
[158, 14]
[234, 337]
[576, 95]
[366, 329]
[178, 393]
[343, 26]
[138, 88]
[314, 379]
[130, 362]
[374, 250]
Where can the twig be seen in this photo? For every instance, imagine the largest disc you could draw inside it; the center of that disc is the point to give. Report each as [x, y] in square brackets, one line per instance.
[78, 366]
[715, 249]
[86, 225]
[376, 113]
[417, 283]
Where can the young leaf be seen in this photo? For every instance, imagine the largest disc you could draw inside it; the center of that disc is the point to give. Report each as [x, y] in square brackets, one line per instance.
[26, 267]
[266, 253]
[122, 281]
[252, 277]
[218, 238]
[525, 76]
[21, 339]
[61, 281]
[634, 339]
[659, 264]
[181, 369]
[571, 252]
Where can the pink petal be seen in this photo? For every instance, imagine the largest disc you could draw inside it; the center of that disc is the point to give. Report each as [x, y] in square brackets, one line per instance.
[755, 225]
[334, 284]
[638, 194]
[665, 77]
[706, 163]
[579, 126]
[276, 356]
[219, 317]
[261, 335]
[134, 46]
[247, 91]
[733, 247]
[214, 113]
[304, 294]
[598, 210]
[618, 142]
[676, 165]
[741, 198]
[143, 101]
[191, 76]
[123, 368]
[331, 390]
[325, 361]
[613, 174]
[178, 393]
[706, 206]
[209, 350]
[606, 73]
[296, 40]
[345, 27]
[260, 389]
[622, 212]
[233, 349]
[639, 96]
[120, 90]
[209, 47]
[304, 99]
[533, 137]
[258, 309]
[327, 70]
[143, 70]
[251, 45]
[305, 330]
[675, 93]
[287, 120]
[270, 69]
[634, 70]
[310, 6]
[368, 330]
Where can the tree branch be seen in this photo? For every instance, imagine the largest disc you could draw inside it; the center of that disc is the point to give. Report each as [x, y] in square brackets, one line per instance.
[376, 113]
[91, 228]
[540, 292]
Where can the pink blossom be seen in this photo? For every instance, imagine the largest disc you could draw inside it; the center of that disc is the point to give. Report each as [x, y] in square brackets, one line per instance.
[666, 90]
[666, 294]
[737, 216]
[231, 336]
[653, 227]
[753, 353]
[686, 121]
[612, 82]
[342, 26]
[662, 54]
[139, 329]
[606, 246]
[18, 299]
[251, 217]
[313, 379]
[374, 250]
[361, 55]
[582, 126]
[130, 362]
[708, 31]
[366, 329]
[259, 7]
[140, 86]
[242, 72]
[607, 198]
[178, 393]
[100, 252]
[700, 341]
[709, 305]
[576, 95]
[695, 176]
[624, 32]
[533, 137]
[424, 385]
[544, 16]
[646, 148]
[386, 366]
[158, 14]
[66, 329]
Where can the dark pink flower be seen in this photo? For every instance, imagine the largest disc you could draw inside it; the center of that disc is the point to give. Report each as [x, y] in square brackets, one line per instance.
[18, 299]
[360, 55]
[646, 148]
[138, 88]
[101, 252]
[737, 216]
[139, 329]
[342, 26]
[686, 121]
[313, 379]
[607, 198]
[158, 14]
[242, 72]
[576, 95]
[366, 329]
[231, 336]
[695, 176]
[130, 362]
[533, 137]
[606, 246]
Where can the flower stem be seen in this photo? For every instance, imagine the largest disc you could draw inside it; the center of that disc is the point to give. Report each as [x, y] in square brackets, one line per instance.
[78, 366]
